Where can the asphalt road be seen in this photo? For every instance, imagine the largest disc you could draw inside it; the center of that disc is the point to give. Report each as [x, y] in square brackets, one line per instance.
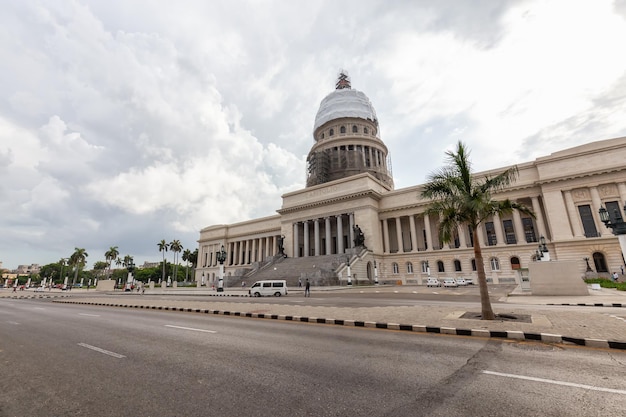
[78, 360]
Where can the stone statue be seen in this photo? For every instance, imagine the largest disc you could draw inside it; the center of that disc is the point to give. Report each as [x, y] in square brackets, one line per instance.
[281, 248]
[359, 237]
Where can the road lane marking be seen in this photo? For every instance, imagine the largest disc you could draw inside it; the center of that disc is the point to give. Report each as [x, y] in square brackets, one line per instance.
[89, 315]
[190, 328]
[552, 381]
[38, 308]
[13, 322]
[106, 352]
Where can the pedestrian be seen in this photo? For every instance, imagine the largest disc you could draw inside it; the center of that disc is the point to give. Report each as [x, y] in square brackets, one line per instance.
[615, 276]
[143, 289]
[622, 268]
[299, 282]
[307, 288]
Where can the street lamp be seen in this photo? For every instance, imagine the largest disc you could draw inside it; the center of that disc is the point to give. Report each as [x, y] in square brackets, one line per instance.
[221, 257]
[375, 273]
[542, 253]
[130, 265]
[349, 275]
[617, 226]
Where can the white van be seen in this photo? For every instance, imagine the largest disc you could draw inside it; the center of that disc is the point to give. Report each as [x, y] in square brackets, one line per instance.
[276, 287]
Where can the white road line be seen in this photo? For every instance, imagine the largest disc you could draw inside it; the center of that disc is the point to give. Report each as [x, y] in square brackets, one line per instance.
[106, 352]
[89, 315]
[618, 317]
[551, 381]
[191, 328]
[38, 308]
[13, 322]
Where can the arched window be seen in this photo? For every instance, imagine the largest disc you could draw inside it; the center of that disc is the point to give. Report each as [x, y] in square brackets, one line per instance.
[495, 264]
[365, 130]
[332, 132]
[395, 268]
[342, 129]
[409, 267]
[515, 263]
[322, 136]
[474, 265]
[457, 265]
[424, 266]
[600, 262]
[440, 267]
[355, 129]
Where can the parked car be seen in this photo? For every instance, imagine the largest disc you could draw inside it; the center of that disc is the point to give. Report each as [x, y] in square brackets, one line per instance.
[469, 281]
[461, 282]
[275, 287]
[449, 282]
[433, 282]
[39, 289]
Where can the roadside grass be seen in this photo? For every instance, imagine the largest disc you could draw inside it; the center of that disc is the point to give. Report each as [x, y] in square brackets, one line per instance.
[607, 283]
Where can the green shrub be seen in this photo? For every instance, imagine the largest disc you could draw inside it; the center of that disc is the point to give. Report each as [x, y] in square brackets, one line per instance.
[607, 283]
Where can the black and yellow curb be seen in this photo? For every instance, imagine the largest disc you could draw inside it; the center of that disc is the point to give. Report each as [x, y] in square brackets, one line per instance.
[499, 334]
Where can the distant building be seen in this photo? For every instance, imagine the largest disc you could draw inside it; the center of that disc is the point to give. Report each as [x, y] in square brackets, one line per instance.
[28, 269]
[147, 264]
[349, 183]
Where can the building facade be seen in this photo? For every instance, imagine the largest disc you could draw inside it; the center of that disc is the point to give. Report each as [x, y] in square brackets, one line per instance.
[350, 192]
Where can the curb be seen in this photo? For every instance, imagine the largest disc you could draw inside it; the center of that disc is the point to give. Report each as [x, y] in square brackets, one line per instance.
[16, 297]
[500, 334]
[588, 305]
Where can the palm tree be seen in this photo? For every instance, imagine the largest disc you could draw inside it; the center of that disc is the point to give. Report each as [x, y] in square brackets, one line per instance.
[77, 260]
[186, 255]
[465, 201]
[163, 246]
[176, 247]
[110, 256]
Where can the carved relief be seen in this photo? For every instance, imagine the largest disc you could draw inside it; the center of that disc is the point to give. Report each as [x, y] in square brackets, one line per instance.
[607, 190]
[580, 194]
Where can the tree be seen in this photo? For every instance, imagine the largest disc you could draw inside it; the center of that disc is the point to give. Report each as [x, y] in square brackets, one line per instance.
[99, 267]
[77, 260]
[462, 200]
[176, 247]
[111, 255]
[186, 255]
[163, 246]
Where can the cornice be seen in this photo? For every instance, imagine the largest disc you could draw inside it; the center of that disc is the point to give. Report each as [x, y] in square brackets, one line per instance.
[360, 194]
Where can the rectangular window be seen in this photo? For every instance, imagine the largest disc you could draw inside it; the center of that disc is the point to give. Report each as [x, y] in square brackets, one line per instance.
[586, 217]
[509, 232]
[491, 234]
[529, 230]
[615, 213]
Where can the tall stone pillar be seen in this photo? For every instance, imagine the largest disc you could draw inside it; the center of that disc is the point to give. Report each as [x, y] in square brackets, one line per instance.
[399, 235]
[538, 216]
[340, 248]
[595, 208]
[351, 230]
[316, 236]
[327, 231]
[296, 240]
[497, 223]
[386, 235]
[305, 224]
[520, 236]
[429, 233]
[413, 233]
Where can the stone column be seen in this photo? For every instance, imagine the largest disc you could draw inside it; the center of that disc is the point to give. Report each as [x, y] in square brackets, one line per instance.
[399, 235]
[351, 231]
[253, 255]
[340, 248]
[386, 236]
[520, 236]
[429, 233]
[316, 236]
[327, 231]
[497, 223]
[621, 188]
[296, 240]
[595, 208]
[413, 233]
[572, 214]
[538, 216]
[305, 224]
[462, 236]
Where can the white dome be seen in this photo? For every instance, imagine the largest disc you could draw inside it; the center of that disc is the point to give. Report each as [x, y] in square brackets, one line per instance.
[344, 103]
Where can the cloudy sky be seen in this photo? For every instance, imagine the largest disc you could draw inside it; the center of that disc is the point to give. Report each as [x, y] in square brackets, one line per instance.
[124, 122]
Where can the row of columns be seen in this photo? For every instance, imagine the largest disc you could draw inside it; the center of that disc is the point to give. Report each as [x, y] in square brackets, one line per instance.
[596, 203]
[242, 252]
[313, 247]
[430, 232]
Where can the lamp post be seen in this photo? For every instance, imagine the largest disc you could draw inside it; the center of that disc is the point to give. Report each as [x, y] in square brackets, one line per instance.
[131, 267]
[221, 257]
[542, 253]
[375, 273]
[349, 275]
[617, 226]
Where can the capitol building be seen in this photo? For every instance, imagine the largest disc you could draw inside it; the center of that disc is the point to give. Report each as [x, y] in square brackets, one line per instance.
[349, 225]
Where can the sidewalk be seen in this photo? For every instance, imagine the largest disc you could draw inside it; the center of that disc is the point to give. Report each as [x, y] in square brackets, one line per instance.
[600, 323]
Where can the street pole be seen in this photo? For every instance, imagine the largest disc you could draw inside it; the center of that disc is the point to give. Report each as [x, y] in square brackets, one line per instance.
[221, 257]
